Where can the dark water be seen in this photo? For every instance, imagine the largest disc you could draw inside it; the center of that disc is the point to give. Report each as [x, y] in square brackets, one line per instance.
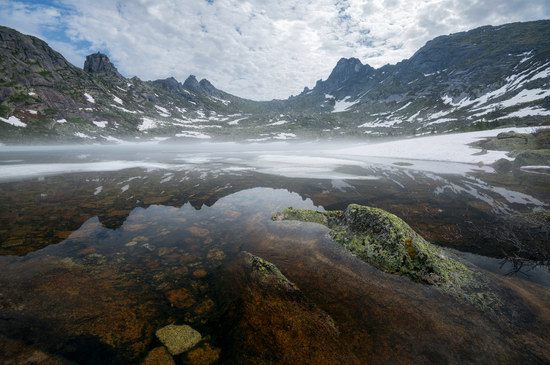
[99, 249]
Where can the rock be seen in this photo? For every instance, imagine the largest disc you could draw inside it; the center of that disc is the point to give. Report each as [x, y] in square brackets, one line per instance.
[388, 243]
[178, 339]
[198, 231]
[268, 319]
[215, 255]
[159, 356]
[180, 298]
[203, 355]
[502, 165]
[232, 214]
[204, 307]
[532, 158]
[98, 63]
[191, 83]
[200, 273]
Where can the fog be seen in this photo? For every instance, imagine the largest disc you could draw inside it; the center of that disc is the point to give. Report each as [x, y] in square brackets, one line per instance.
[316, 160]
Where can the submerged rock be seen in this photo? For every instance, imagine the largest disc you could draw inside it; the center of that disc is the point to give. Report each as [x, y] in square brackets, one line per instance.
[159, 356]
[204, 355]
[178, 339]
[388, 243]
[268, 320]
[180, 298]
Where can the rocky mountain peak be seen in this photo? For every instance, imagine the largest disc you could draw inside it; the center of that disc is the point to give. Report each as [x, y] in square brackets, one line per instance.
[169, 84]
[352, 64]
[99, 63]
[208, 87]
[191, 83]
[346, 69]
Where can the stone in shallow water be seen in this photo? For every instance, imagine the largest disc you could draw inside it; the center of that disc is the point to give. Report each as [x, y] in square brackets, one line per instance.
[198, 231]
[215, 255]
[180, 298]
[200, 273]
[204, 355]
[159, 356]
[178, 339]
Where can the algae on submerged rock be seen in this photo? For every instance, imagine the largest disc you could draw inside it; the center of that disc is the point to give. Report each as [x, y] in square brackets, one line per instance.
[178, 339]
[391, 245]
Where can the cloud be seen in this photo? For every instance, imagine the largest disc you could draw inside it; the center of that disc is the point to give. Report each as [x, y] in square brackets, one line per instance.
[254, 49]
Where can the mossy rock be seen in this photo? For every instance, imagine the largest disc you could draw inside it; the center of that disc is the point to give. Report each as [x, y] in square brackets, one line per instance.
[532, 158]
[391, 245]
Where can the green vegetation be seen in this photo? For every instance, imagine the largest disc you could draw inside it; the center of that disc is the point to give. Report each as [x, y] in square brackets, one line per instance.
[4, 110]
[22, 98]
[391, 245]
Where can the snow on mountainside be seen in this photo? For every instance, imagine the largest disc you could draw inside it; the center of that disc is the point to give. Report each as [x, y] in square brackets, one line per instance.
[483, 78]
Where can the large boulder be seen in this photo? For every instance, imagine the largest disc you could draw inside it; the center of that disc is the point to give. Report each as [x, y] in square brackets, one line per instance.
[388, 243]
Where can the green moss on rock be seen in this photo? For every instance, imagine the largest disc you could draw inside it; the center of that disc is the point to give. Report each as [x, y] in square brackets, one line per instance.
[305, 215]
[265, 270]
[388, 243]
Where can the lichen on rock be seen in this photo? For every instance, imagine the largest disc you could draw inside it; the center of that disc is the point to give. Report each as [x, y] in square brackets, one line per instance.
[178, 339]
[391, 245]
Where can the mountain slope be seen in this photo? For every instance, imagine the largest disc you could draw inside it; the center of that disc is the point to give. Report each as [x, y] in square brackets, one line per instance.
[487, 74]
[484, 77]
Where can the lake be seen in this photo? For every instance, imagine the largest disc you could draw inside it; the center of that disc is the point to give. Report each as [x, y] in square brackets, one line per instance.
[103, 245]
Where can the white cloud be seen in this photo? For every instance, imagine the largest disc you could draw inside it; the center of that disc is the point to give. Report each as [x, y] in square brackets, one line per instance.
[258, 49]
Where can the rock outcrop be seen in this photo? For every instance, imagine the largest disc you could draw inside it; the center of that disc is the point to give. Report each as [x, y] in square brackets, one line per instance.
[388, 243]
[99, 63]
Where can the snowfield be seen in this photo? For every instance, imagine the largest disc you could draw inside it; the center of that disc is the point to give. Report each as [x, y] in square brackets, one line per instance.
[16, 122]
[446, 147]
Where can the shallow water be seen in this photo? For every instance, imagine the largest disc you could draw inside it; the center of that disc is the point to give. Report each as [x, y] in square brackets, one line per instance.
[140, 234]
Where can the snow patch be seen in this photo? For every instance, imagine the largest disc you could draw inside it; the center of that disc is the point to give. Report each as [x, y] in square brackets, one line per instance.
[117, 100]
[162, 111]
[13, 120]
[83, 135]
[525, 112]
[193, 134]
[343, 105]
[101, 124]
[125, 110]
[223, 101]
[89, 98]
[148, 123]
[279, 122]
[236, 121]
[284, 136]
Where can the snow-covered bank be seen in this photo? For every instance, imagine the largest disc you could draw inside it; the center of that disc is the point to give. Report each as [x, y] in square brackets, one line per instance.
[20, 171]
[446, 147]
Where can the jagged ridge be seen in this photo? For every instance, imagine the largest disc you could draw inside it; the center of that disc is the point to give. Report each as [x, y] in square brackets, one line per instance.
[487, 76]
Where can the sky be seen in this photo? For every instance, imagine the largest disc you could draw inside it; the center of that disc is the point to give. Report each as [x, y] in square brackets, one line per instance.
[255, 49]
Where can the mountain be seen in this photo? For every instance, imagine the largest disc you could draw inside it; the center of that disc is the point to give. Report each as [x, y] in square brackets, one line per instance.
[482, 78]
[499, 74]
